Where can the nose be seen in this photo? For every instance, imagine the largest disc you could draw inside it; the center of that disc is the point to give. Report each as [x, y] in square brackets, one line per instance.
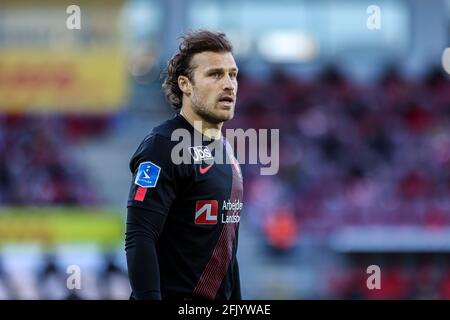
[229, 84]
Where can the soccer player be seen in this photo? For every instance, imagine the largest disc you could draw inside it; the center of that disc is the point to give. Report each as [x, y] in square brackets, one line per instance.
[182, 219]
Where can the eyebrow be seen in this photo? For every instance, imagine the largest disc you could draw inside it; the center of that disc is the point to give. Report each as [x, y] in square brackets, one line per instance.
[221, 70]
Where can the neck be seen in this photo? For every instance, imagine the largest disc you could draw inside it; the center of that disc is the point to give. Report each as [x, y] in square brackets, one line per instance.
[211, 130]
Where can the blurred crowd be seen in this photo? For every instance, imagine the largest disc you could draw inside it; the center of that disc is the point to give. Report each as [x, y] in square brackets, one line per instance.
[408, 277]
[354, 153]
[37, 165]
[351, 152]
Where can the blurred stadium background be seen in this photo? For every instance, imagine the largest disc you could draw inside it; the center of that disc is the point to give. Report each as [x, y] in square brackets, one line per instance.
[364, 119]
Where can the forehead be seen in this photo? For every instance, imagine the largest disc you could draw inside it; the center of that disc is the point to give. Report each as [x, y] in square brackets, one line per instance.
[213, 60]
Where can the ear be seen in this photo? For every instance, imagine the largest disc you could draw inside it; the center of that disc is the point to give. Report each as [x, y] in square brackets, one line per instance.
[185, 85]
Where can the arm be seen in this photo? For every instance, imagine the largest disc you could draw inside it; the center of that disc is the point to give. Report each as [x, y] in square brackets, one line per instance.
[142, 232]
[151, 195]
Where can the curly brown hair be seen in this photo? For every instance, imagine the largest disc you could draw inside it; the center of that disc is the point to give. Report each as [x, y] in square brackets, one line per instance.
[179, 65]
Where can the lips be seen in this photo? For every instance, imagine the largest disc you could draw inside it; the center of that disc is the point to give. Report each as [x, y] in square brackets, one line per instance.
[228, 99]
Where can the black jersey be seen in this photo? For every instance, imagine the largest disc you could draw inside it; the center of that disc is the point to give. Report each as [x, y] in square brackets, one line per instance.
[193, 211]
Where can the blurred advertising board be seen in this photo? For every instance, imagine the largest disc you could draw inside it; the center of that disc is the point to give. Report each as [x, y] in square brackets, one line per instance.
[48, 65]
[53, 225]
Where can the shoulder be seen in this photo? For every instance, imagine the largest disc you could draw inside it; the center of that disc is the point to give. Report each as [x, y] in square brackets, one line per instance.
[157, 145]
[154, 147]
[160, 136]
[166, 128]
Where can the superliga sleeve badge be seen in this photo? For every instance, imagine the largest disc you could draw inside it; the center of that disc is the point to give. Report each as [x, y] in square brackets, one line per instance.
[148, 174]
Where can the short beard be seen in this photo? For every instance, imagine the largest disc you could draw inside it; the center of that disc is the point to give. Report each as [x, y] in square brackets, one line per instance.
[207, 115]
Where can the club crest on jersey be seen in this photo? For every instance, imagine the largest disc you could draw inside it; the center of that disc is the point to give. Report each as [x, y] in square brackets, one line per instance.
[200, 153]
[206, 212]
[148, 174]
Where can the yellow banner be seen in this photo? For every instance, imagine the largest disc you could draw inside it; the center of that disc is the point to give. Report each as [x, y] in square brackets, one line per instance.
[49, 226]
[46, 65]
[92, 81]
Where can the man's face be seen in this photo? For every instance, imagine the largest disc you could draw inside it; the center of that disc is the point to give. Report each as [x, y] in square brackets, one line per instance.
[214, 85]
